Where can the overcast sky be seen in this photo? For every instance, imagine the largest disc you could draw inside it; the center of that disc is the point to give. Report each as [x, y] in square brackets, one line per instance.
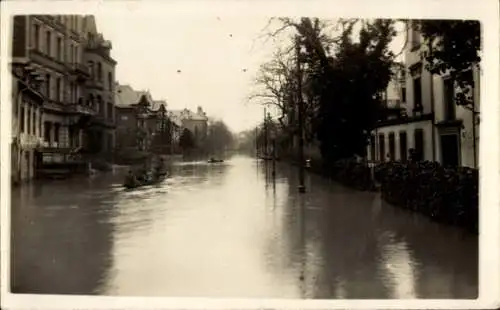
[210, 52]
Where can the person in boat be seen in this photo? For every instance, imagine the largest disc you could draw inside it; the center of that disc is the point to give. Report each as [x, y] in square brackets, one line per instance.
[130, 179]
[143, 173]
[160, 168]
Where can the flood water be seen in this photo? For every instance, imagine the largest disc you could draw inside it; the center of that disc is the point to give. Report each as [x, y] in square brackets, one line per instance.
[227, 230]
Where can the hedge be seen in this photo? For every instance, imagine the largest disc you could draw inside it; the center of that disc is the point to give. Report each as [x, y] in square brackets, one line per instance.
[449, 195]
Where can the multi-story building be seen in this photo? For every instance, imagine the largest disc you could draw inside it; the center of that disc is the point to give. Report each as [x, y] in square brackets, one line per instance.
[51, 47]
[99, 90]
[197, 122]
[431, 123]
[143, 123]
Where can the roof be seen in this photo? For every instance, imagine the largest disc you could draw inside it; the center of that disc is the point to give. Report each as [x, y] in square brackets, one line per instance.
[157, 104]
[177, 116]
[125, 96]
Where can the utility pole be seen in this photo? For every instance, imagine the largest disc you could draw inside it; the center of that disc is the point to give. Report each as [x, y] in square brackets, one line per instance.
[265, 134]
[256, 142]
[300, 102]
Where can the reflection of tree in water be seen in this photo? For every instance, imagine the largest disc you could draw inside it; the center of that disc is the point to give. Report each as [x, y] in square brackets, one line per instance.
[61, 238]
[361, 248]
[446, 257]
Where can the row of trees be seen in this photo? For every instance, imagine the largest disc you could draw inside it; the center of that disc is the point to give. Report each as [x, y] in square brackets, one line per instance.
[219, 138]
[342, 76]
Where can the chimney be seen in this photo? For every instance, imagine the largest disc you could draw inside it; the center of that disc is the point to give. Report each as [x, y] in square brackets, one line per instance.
[200, 110]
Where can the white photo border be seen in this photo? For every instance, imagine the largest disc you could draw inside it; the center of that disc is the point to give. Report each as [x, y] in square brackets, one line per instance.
[485, 10]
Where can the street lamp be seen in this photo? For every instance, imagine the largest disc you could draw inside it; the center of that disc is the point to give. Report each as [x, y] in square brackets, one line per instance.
[301, 187]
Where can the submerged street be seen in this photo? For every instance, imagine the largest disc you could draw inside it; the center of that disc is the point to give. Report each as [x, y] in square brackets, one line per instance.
[226, 230]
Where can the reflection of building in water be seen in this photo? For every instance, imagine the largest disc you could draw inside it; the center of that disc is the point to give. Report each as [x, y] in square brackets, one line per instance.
[61, 247]
[397, 263]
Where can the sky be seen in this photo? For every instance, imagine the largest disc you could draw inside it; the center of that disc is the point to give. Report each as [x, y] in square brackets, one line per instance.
[218, 59]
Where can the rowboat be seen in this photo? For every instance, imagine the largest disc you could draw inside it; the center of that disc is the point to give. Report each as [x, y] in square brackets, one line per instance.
[131, 183]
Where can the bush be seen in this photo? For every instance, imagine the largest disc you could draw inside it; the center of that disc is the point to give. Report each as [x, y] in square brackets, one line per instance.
[352, 173]
[445, 194]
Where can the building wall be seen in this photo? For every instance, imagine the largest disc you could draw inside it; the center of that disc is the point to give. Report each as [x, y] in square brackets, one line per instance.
[409, 129]
[467, 147]
[195, 125]
[126, 125]
[433, 100]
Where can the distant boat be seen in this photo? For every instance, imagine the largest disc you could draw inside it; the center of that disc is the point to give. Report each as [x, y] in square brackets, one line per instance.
[212, 161]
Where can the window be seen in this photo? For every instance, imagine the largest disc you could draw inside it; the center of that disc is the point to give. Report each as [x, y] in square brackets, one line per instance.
[49, 43]
[76, 54]
[58, 89]
[124, 118]
[46, 131]
[47, 86]
[110, 110]
[415, 39]
[403, 146]
[392, 146]
[381, 147]
[90, 101]
[417, 93]
[57, 126]
[419, 144]
[416, 73]
[449, 100]
[40, 122]
[36, 36]
[372, 147]
[29, 122]
[59, 49]
[403, 95]
[110, 81]
[22, 120]
[101, 107]
[91, 69]
[99, 71]
[33, 122]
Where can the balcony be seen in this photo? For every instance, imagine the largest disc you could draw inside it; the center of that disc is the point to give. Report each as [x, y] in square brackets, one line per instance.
[45, 60]
[81, 71]
[80, 108]
[54, 106]
[95, 84]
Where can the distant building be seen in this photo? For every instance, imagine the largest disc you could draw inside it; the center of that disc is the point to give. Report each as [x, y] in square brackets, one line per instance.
[430, 122]
[197, 122]
[143, 123]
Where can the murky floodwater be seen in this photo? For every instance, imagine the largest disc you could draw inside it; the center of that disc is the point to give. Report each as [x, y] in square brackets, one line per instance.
[225, 230]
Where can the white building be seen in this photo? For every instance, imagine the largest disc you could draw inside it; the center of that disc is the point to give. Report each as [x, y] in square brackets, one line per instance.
[434, 125]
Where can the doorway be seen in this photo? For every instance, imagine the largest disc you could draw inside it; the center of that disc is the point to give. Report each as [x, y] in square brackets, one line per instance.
[450, 150]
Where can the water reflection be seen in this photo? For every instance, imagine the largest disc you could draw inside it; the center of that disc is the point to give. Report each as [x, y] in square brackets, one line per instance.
[51, 240]
[231, 230]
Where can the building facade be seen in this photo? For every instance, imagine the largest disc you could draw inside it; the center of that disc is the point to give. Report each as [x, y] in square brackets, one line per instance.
[430, 122]
[51, 46]
[143, 124]
[99, 90]
[196, 122]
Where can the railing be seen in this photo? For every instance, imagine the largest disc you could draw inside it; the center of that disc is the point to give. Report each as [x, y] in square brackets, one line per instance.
[80, 68]
[80, 109]
[48, 61]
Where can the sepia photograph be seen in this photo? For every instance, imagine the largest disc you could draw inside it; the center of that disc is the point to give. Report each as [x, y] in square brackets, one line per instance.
[243, 156]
